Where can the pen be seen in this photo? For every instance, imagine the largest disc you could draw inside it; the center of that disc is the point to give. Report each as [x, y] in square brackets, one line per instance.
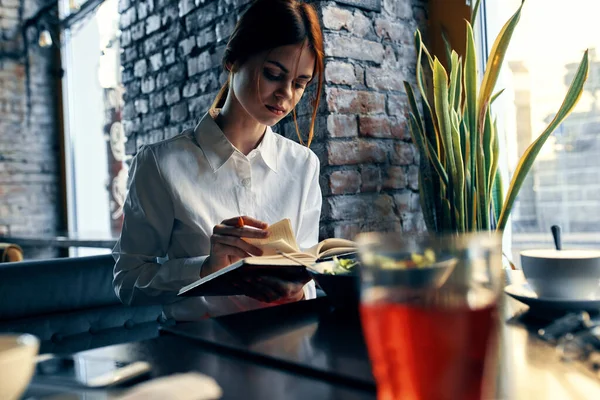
[240, 222]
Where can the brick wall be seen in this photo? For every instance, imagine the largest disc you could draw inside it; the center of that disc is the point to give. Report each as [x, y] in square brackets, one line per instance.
[172, 71]
[29, 153]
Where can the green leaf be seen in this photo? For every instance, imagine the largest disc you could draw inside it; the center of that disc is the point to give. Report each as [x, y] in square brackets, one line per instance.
[494, 63]
[431, 129]
[459, 178]
[470, 79]
[497, 195]
[495, 96]
[454, 82]
[426, 196]
[447, 46]
[571, 99]
[442, 108]
[474, 12]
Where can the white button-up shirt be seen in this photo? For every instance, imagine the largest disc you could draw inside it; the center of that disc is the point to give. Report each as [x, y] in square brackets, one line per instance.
[180, 188]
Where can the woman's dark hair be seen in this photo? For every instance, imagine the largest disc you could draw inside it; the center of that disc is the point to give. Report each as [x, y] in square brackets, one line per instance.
[268, 24]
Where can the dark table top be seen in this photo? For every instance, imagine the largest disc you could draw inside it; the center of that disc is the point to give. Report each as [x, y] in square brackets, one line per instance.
[304, 350]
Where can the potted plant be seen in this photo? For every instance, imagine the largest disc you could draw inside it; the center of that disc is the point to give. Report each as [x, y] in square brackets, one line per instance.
[460, 186]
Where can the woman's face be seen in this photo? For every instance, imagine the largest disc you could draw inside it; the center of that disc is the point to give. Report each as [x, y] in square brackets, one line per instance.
[268, 86]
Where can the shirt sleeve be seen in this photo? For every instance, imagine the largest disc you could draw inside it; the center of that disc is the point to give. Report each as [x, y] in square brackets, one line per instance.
[308, 229]
[147, 225]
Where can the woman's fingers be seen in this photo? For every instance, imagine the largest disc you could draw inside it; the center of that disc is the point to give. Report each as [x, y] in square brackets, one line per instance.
[249, 221]
[240, 232]
[234, 241]
[263, 291]
[222, 249]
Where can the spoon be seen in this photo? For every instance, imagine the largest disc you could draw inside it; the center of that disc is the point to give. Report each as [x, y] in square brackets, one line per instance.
[556, 235]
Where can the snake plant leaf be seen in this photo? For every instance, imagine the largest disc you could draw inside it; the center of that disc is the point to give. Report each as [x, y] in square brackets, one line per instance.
[494, 63]
[470, 78]
[495, 96]
[488, 136]
[454, 67]
[412, 103]
[442, 108]
[497, 195]
[425, 148]
[459, 178]
[458, 103]
[420, 46]
[570, 101]
[495, 150]
[447, 46]
[426, 196]
[431, 128]
[475, 10]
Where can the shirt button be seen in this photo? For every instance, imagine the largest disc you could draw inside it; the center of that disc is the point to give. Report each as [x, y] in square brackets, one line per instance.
[246, 182]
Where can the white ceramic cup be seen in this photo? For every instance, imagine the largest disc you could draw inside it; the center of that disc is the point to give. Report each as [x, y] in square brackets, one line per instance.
[17, 362]
[563, 274]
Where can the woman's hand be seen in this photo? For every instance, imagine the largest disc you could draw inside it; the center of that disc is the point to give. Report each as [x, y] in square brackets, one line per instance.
[275, 290]
[227, 246]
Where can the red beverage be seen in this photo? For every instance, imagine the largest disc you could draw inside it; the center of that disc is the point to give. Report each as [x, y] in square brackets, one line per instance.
[432, 347]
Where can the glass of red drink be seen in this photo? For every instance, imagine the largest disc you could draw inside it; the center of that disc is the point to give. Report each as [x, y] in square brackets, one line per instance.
[429, 313]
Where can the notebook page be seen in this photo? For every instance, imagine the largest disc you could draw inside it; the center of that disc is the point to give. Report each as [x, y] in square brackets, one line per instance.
[280, 232]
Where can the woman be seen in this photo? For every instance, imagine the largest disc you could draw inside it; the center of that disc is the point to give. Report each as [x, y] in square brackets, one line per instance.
[187, 194]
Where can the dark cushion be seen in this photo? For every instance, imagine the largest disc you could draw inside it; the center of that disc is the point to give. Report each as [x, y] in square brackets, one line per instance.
[31, 288]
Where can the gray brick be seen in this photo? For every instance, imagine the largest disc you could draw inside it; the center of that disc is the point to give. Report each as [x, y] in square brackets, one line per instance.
[199, 64]
[172, 96]
[152, 24]
[199, 105]
[144, 8]
[207, 36]
[201, 17]
[128, 111]
[147, 85]
[169, 55]
[224, 28]
[186, 45]
[179, 112]
[132, 126]
[157, 100]
[141, 106]
[170, 15]
[160, 119]
[354, 48]
[125, 38]
[172, 36]
[185, 7]
[129, 55]
[127, 18]
[190, 89]
[123, 5]
[156, 61]
[140, 68]
[138, 31]
[153, 43]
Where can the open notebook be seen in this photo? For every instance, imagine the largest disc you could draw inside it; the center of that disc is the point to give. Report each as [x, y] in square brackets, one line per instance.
[280, 240]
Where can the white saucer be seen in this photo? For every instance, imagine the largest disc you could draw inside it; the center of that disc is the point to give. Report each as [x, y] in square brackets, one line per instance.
[526, 295]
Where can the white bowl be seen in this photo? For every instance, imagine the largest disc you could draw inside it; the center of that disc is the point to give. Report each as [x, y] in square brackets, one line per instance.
[17, 362]
[563, 274]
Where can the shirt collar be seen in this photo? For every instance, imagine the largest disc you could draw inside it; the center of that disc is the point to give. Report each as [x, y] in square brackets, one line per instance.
[267, 149]
[218, 149]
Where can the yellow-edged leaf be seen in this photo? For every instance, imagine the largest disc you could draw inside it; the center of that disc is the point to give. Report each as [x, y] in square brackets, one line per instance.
[571, 99]
[494, 63]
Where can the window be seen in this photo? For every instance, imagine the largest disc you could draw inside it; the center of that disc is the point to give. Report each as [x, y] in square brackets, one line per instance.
[563, 187]
[96, 171]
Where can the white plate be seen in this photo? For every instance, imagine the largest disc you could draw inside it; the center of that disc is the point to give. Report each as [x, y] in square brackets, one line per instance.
[526, 295]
